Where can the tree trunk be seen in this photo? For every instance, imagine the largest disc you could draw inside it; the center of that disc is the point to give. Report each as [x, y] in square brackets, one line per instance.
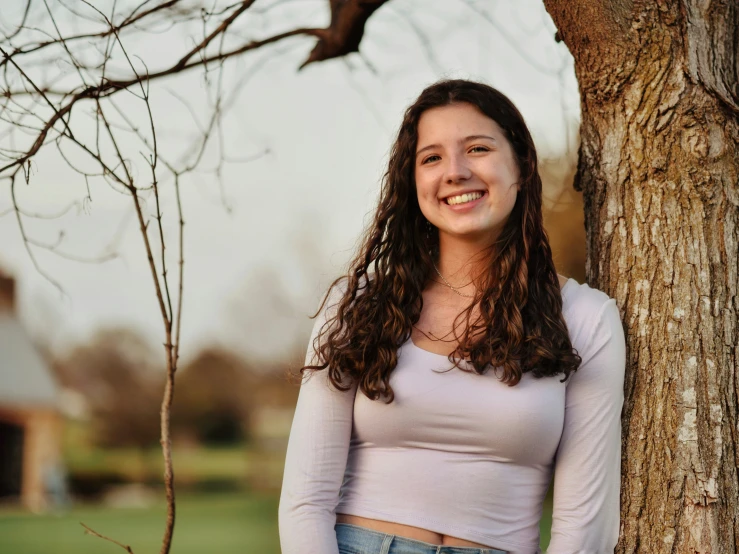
[658, 170]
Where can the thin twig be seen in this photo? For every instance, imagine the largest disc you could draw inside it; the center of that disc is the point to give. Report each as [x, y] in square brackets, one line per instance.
[90, 531]
[26, 240]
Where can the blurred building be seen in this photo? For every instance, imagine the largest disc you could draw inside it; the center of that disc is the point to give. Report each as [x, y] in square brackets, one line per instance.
[30, 421]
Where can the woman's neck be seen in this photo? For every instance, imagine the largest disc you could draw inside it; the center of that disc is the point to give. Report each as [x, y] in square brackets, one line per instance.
[461, 262]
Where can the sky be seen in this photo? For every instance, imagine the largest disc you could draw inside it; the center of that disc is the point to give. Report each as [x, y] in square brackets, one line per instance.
[306, 152]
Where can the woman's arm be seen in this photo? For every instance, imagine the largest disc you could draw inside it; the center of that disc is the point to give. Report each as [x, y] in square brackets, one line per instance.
[316, 458]
[587, 474]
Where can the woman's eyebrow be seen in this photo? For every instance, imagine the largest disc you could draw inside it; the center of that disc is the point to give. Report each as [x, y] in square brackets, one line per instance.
[474, 137]
[429, 147]
[466, 139]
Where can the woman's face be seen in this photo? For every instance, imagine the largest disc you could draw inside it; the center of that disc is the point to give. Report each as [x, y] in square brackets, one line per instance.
[466, 173]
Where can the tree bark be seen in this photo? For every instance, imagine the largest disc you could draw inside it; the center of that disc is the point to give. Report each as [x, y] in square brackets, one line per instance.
[658, 171]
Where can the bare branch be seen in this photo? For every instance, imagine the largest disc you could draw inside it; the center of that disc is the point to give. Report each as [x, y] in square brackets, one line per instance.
[53, 248]
[26, 240]
[20, 27]
[38, 46]
[346, 30]
[90, 531]
[36, 215]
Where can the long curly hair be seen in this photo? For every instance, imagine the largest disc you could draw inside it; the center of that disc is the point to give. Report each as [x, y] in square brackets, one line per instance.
[519, 327]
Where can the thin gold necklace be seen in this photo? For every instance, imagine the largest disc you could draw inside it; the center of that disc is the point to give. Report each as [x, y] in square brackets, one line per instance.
[448, 284]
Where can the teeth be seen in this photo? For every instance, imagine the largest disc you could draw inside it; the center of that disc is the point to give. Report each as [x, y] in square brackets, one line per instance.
[462, 198]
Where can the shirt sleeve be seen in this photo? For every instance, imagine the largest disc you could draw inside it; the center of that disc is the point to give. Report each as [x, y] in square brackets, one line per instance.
[316, 459]
[587, 473]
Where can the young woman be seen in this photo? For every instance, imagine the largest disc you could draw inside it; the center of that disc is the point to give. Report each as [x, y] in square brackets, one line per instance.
[452, 372]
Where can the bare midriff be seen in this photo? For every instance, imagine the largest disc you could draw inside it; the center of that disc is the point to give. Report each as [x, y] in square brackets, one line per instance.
[407, 531]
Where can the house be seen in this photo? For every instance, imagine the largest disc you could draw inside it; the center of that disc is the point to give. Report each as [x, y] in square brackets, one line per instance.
[30, 421]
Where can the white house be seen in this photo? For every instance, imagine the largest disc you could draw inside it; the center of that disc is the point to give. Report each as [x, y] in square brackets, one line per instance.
[30, 421]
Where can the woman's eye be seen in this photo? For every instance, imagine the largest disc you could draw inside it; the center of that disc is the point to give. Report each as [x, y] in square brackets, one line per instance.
[479, 149]
[430, 159]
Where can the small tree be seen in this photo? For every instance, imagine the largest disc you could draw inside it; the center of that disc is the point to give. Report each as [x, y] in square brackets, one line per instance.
[84, 94]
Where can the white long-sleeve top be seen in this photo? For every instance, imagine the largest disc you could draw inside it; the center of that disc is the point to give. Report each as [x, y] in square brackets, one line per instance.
[463, 454]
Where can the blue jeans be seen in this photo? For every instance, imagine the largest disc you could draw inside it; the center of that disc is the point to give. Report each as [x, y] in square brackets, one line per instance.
[353, 539]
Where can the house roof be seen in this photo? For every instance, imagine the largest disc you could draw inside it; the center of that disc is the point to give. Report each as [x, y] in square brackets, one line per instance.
[25, 378]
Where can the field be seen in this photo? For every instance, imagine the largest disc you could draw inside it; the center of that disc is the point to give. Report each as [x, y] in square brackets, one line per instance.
[238, 513]
[206, 523]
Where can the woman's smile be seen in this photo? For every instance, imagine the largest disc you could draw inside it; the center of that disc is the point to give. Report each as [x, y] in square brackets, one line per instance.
[464, 201]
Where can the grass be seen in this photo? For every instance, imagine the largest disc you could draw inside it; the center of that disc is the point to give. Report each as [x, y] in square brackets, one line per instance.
[229, 462]
[235, 466]
[545, 525]
[225, 462]
[206, 524]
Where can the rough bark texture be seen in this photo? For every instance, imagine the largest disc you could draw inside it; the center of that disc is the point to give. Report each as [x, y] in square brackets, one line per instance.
[658, 170]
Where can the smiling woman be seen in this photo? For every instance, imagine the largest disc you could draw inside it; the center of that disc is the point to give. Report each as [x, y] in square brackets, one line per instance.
[451, 372]
[466, 184]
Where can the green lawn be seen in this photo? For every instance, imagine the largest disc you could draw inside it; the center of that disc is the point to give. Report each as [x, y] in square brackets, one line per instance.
[190, 463]
[545, 526]
[206, 524]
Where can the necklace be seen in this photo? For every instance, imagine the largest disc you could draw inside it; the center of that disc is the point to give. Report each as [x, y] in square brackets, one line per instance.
[448, 284]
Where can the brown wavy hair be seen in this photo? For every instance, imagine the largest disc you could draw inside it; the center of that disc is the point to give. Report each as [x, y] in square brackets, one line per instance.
[520, 327]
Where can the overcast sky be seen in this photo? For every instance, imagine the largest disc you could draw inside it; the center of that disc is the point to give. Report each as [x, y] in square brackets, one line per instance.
[262, 245]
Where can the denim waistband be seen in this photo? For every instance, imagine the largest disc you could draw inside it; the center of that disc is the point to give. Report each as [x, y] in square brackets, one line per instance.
[354, 539]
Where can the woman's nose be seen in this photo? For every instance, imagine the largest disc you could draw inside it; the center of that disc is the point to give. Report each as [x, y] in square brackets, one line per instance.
[457, 170]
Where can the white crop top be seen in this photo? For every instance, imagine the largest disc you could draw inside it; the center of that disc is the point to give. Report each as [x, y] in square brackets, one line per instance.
[463, 454]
